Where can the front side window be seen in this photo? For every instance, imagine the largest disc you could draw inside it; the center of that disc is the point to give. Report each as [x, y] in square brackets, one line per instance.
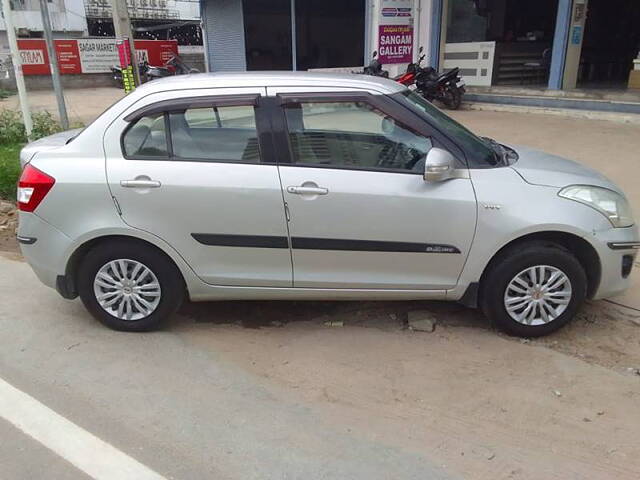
[476, 148]
[146, 138]
[225, 133]
[353, 134]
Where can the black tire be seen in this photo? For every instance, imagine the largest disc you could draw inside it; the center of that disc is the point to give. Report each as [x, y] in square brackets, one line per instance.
[453, 97]
[509, 264]
[168, 276]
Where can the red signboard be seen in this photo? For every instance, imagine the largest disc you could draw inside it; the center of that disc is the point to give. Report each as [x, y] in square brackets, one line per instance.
[96, 55]
[157, 51]
[34, 57]
[68, 56]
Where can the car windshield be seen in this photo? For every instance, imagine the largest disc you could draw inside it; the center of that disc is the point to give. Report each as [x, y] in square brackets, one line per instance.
[481, 151]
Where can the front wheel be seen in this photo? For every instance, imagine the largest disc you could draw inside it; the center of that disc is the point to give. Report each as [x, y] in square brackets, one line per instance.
[533, 290]
[129, 286]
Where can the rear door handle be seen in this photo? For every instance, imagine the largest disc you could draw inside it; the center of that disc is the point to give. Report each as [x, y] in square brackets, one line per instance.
[139, 183]
[308, 190]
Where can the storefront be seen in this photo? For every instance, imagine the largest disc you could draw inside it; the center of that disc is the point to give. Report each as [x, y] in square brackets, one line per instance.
[312, 34]
[559, 44]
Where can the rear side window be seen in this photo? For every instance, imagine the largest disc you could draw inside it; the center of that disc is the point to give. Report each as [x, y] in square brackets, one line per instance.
[147, 137]
[226, 133]
[210, 133]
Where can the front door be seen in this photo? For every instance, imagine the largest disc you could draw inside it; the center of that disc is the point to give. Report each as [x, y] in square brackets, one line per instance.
[361, 215]
[192, 171]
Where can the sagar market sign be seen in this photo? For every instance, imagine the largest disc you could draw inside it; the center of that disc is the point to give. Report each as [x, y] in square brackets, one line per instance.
[88, 55]
[395, 31]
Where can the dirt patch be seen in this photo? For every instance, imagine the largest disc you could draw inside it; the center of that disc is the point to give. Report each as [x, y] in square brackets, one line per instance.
[8, 227]
[478, 403]
[602, 333]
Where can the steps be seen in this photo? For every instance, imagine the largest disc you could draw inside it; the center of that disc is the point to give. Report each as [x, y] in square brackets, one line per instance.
[620, 102]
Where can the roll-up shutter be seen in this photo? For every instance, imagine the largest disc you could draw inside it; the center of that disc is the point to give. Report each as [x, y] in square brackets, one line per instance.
[224, 35]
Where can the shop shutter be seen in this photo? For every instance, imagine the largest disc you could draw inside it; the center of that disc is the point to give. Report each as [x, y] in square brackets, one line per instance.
[224, 33]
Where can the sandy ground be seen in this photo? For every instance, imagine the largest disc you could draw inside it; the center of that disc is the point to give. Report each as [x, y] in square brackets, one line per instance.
[479, 404]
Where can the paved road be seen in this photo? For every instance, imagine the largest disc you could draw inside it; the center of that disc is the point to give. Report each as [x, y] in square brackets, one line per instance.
[179, 410]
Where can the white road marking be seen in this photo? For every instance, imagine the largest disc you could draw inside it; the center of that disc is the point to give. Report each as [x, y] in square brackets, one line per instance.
[87, 452]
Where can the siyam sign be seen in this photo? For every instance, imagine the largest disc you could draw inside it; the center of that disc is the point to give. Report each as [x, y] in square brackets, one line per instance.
[395, 43]
[88, 55]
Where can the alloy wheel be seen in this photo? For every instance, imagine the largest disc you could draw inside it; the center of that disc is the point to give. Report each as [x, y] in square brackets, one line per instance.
[538, 295]
[127, 289]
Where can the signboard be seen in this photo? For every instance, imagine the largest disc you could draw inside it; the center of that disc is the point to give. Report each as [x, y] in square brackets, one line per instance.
[395, 43]
[34, 57]
[576, 34]
[395, 31]
[89, 55]
[97, 55]
[68, 56]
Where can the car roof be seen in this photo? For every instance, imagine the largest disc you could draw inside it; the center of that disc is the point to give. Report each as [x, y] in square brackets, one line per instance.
[273, 79]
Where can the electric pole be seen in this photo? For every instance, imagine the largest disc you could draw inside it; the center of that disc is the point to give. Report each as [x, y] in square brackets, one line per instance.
[17, 68]
[53, 64]
[122, 26]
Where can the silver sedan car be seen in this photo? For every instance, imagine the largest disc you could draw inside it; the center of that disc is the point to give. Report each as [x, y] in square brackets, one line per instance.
[299, 186]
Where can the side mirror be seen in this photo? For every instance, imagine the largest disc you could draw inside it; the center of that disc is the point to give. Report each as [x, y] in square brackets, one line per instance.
[439, 166]
[421, 49]
[375, 54]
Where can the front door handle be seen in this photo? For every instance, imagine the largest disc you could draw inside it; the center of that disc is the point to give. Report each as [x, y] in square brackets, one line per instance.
[140, 183]
[304, 190]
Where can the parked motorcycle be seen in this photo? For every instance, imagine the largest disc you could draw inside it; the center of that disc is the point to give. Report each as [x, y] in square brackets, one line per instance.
[179, 67]
[375, 67]
[116, 73]
[446, 87]
[408, 78]
[174, 66]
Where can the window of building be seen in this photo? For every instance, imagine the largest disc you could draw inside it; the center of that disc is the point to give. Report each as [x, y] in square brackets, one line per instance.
[351, 134]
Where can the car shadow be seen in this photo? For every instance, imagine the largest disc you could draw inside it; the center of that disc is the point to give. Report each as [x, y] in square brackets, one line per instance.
[379, 314]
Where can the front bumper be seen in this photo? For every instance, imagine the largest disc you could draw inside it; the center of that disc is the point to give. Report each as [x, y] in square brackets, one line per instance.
[617, 249]
[43, 246]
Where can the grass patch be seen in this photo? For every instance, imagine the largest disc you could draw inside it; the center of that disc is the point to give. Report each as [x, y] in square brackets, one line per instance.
[9, 170]
[12, 139]
[4, 93]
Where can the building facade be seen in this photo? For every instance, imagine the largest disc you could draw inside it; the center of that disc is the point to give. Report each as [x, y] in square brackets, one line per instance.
[67, 21]
[557, 44]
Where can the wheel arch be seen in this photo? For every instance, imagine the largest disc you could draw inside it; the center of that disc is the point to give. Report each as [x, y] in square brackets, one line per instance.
[68, 283]
[578, 246]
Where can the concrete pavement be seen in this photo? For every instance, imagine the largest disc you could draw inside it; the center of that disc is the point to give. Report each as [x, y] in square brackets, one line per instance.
[181, 411]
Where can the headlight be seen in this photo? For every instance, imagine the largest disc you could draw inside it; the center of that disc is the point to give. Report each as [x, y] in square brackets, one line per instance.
[609, 203]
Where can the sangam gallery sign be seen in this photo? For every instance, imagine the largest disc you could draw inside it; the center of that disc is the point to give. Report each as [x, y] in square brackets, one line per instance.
[395, 31]
[88, 55]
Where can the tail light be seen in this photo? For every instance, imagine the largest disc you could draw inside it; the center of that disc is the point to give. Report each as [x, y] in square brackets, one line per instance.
[33, 186]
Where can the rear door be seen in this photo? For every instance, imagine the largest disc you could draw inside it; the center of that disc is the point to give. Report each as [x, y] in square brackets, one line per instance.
[361, 214]
[198, 172]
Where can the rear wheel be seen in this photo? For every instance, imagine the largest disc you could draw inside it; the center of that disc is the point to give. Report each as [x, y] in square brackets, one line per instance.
[453, 97]
[533, 290]
[129, 286]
